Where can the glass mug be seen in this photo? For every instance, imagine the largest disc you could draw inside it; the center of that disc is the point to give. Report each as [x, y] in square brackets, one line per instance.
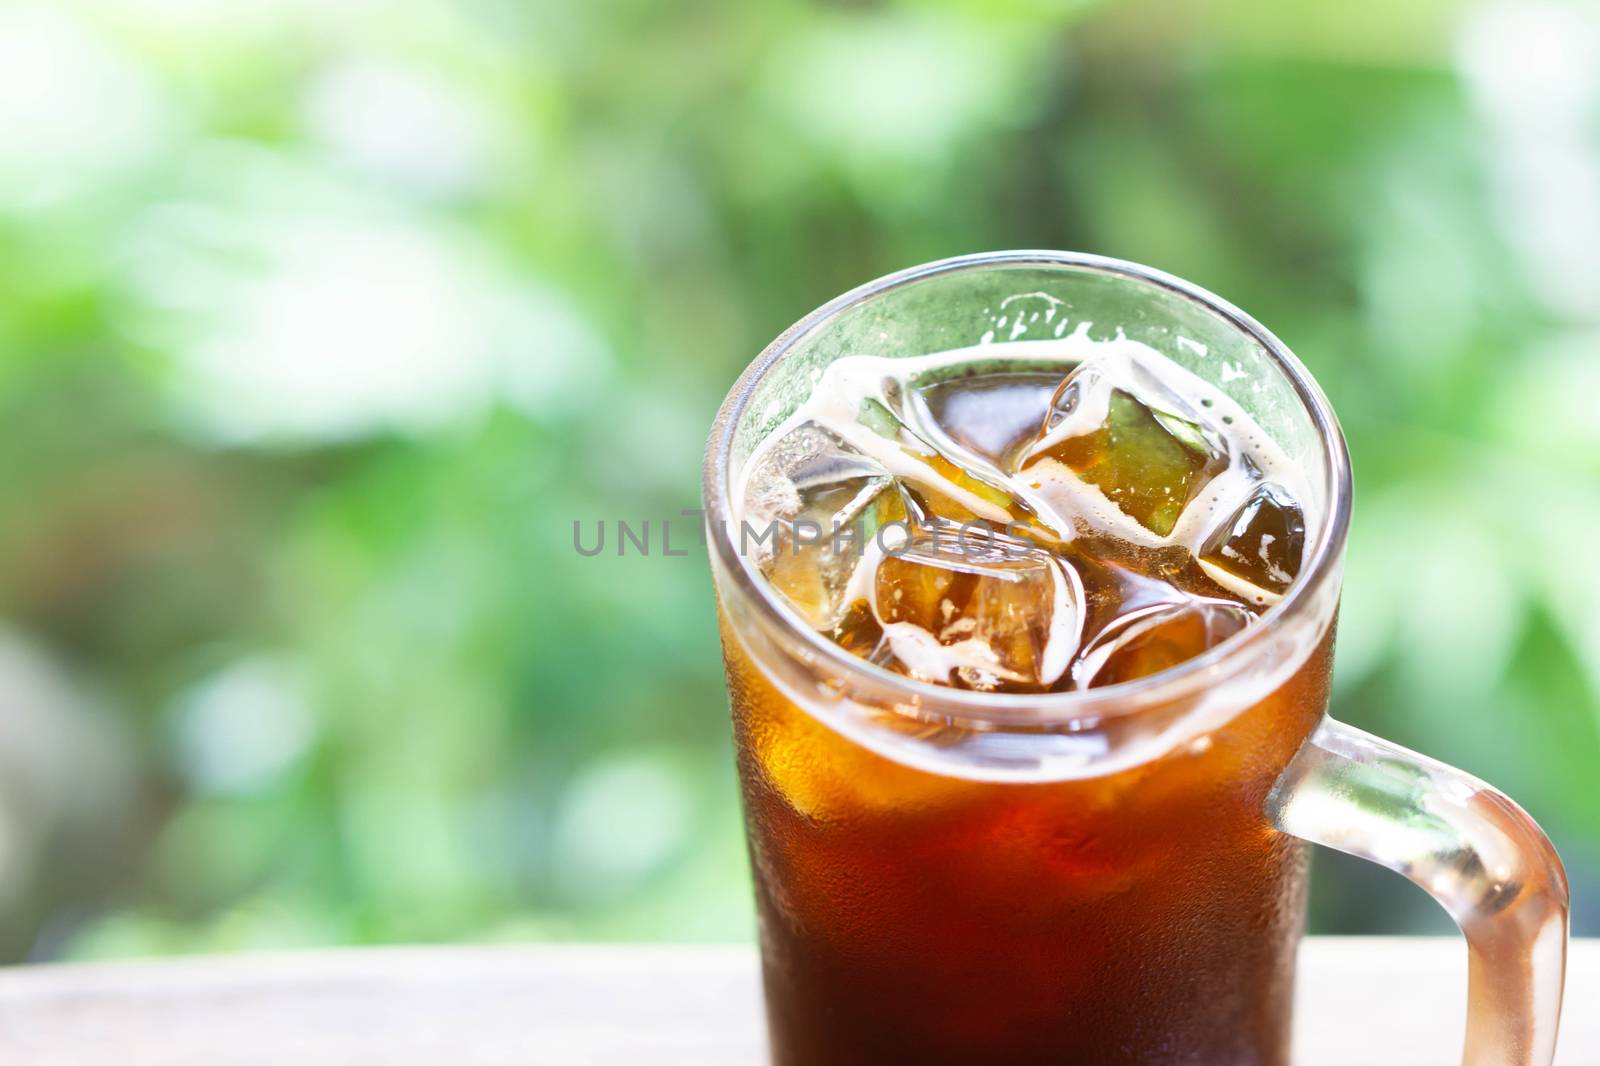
[1114, 875]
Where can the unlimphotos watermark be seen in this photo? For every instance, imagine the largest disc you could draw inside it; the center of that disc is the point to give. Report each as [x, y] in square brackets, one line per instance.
[647, 537]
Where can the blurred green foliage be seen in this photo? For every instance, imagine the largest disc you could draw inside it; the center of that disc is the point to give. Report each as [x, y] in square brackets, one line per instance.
[322, 323]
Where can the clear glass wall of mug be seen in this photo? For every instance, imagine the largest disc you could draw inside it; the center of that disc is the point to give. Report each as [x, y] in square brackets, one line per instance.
[1113, 875]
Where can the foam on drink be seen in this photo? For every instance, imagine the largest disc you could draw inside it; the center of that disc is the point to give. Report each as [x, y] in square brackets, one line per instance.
[1030, 516]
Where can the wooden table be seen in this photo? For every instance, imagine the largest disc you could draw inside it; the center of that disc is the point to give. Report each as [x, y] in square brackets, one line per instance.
[1362, 1002]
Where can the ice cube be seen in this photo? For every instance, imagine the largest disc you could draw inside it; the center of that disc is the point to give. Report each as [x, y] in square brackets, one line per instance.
[943, 487]
[1148, 641]
[993, 417]
[986, 612]
[1259, 545]
[879, 419]
[1115, 425]
[937, 504]
[859, 633]
[813, 505]
[805, 457]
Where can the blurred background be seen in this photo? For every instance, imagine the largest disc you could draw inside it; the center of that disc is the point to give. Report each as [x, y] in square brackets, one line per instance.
[322, 322]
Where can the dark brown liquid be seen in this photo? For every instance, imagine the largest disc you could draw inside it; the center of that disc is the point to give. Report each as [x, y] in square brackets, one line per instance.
[1148, 916]
[911, 919]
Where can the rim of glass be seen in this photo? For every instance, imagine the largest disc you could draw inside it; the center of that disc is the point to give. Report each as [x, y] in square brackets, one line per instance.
[1326, 550]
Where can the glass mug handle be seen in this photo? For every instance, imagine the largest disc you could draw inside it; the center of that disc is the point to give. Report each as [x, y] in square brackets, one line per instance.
[1468, 846]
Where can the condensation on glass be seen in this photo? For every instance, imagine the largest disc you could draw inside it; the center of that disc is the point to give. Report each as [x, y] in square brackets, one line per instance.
[1030, 866]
